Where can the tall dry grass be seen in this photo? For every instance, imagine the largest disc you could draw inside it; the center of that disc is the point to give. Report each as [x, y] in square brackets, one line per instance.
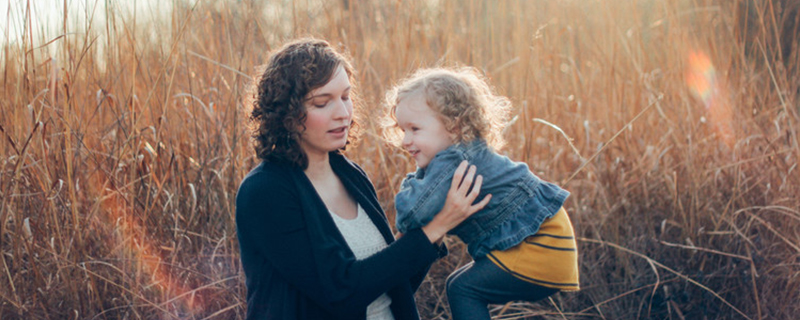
[673, 124]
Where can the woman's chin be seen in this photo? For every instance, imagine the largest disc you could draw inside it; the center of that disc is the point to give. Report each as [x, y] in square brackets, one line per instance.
[338, 146]
[340, 143]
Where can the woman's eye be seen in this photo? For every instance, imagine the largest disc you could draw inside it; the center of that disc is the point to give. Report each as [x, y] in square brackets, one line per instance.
[345, 98]
[320, 105]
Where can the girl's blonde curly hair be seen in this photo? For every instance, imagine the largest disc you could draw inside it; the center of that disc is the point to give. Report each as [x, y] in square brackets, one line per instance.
[466, 103]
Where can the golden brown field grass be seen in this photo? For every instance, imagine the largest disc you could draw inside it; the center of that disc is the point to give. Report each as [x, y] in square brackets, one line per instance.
[673, 123]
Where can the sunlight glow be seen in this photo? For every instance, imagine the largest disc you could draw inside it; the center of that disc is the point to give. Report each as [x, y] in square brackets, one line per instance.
[146, 258]
[702, 80]
[135, 245]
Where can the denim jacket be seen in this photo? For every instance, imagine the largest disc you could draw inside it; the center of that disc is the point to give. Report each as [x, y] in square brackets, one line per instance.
[520, 200]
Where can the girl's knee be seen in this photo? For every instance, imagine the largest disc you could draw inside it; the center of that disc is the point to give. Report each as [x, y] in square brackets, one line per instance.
[458, 282]
[449, 282]
[458, 273]
[455, 286]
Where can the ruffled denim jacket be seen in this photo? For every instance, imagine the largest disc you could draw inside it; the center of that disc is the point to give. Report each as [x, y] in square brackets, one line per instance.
[520, 200]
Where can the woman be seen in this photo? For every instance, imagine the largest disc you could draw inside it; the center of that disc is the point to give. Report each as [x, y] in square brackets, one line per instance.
[314, 242]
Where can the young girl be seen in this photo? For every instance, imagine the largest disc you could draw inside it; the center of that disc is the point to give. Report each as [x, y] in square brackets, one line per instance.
[522, 242]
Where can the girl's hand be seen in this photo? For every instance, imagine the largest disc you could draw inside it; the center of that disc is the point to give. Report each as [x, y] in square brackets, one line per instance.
[458, 206]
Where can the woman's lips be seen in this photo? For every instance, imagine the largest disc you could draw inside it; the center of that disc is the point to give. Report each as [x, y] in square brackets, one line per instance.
[340, 131]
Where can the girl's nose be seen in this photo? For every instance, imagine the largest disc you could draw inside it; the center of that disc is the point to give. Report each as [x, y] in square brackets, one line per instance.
[406, 140]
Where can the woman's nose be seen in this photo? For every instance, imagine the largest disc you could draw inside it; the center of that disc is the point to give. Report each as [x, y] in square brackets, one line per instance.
[342, 109]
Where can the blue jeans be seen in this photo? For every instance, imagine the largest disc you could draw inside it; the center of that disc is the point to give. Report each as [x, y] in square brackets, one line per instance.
[474, 286]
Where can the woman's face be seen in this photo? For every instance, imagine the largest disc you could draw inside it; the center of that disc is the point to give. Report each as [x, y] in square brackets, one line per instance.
[329, 112]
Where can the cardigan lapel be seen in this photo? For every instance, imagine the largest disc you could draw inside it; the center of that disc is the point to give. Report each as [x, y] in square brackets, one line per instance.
[328, 244]
[359, 186]
[317, 215]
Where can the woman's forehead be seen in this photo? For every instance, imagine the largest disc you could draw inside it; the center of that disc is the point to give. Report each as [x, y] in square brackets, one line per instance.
[338, 83]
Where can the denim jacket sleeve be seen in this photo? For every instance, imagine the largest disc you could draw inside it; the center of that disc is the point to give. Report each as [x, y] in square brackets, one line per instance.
[423, 193]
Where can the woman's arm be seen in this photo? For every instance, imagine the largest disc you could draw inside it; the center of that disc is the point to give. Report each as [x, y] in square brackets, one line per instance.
[273, 233]
[272, 230]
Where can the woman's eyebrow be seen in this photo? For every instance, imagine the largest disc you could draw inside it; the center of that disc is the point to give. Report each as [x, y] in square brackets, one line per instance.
[326, 94]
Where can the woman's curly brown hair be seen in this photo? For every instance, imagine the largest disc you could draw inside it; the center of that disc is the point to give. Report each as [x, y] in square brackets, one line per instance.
[279, 94]
[466, 103]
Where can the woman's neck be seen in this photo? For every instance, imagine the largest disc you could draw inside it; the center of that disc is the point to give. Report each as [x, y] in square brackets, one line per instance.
[318, 166]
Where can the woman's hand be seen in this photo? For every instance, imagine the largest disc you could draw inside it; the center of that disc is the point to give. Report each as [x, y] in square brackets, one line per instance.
[458, 206]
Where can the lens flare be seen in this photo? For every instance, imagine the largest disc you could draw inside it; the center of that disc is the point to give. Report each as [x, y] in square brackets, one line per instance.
[703, 82]
[146, 258]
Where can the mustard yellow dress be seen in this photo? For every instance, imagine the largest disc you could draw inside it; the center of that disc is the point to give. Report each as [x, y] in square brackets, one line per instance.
[548, 258]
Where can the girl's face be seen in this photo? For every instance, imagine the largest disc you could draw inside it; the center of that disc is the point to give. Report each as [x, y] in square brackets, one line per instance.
[329, 112]
[424, 134]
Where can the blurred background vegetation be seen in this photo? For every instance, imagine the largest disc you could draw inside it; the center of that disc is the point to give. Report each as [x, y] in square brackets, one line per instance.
[123, 137]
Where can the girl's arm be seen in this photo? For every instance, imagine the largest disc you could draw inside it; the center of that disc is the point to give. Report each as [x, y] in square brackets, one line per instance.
[459, 203]
[422, 194]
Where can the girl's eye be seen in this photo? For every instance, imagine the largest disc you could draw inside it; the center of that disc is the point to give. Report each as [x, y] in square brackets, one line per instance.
[414, 128]
[346, 98]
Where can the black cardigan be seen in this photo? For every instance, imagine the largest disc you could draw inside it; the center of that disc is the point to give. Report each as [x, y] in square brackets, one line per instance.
[297, 264]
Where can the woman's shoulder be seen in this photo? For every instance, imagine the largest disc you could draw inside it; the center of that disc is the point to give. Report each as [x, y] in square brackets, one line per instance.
[265, 196]
[266, 175]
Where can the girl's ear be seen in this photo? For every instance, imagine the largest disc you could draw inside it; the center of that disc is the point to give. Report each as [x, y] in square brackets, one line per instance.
[453, 128]
[452, 135]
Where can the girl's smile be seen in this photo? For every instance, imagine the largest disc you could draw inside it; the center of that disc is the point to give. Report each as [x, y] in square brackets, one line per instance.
[424, 134]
